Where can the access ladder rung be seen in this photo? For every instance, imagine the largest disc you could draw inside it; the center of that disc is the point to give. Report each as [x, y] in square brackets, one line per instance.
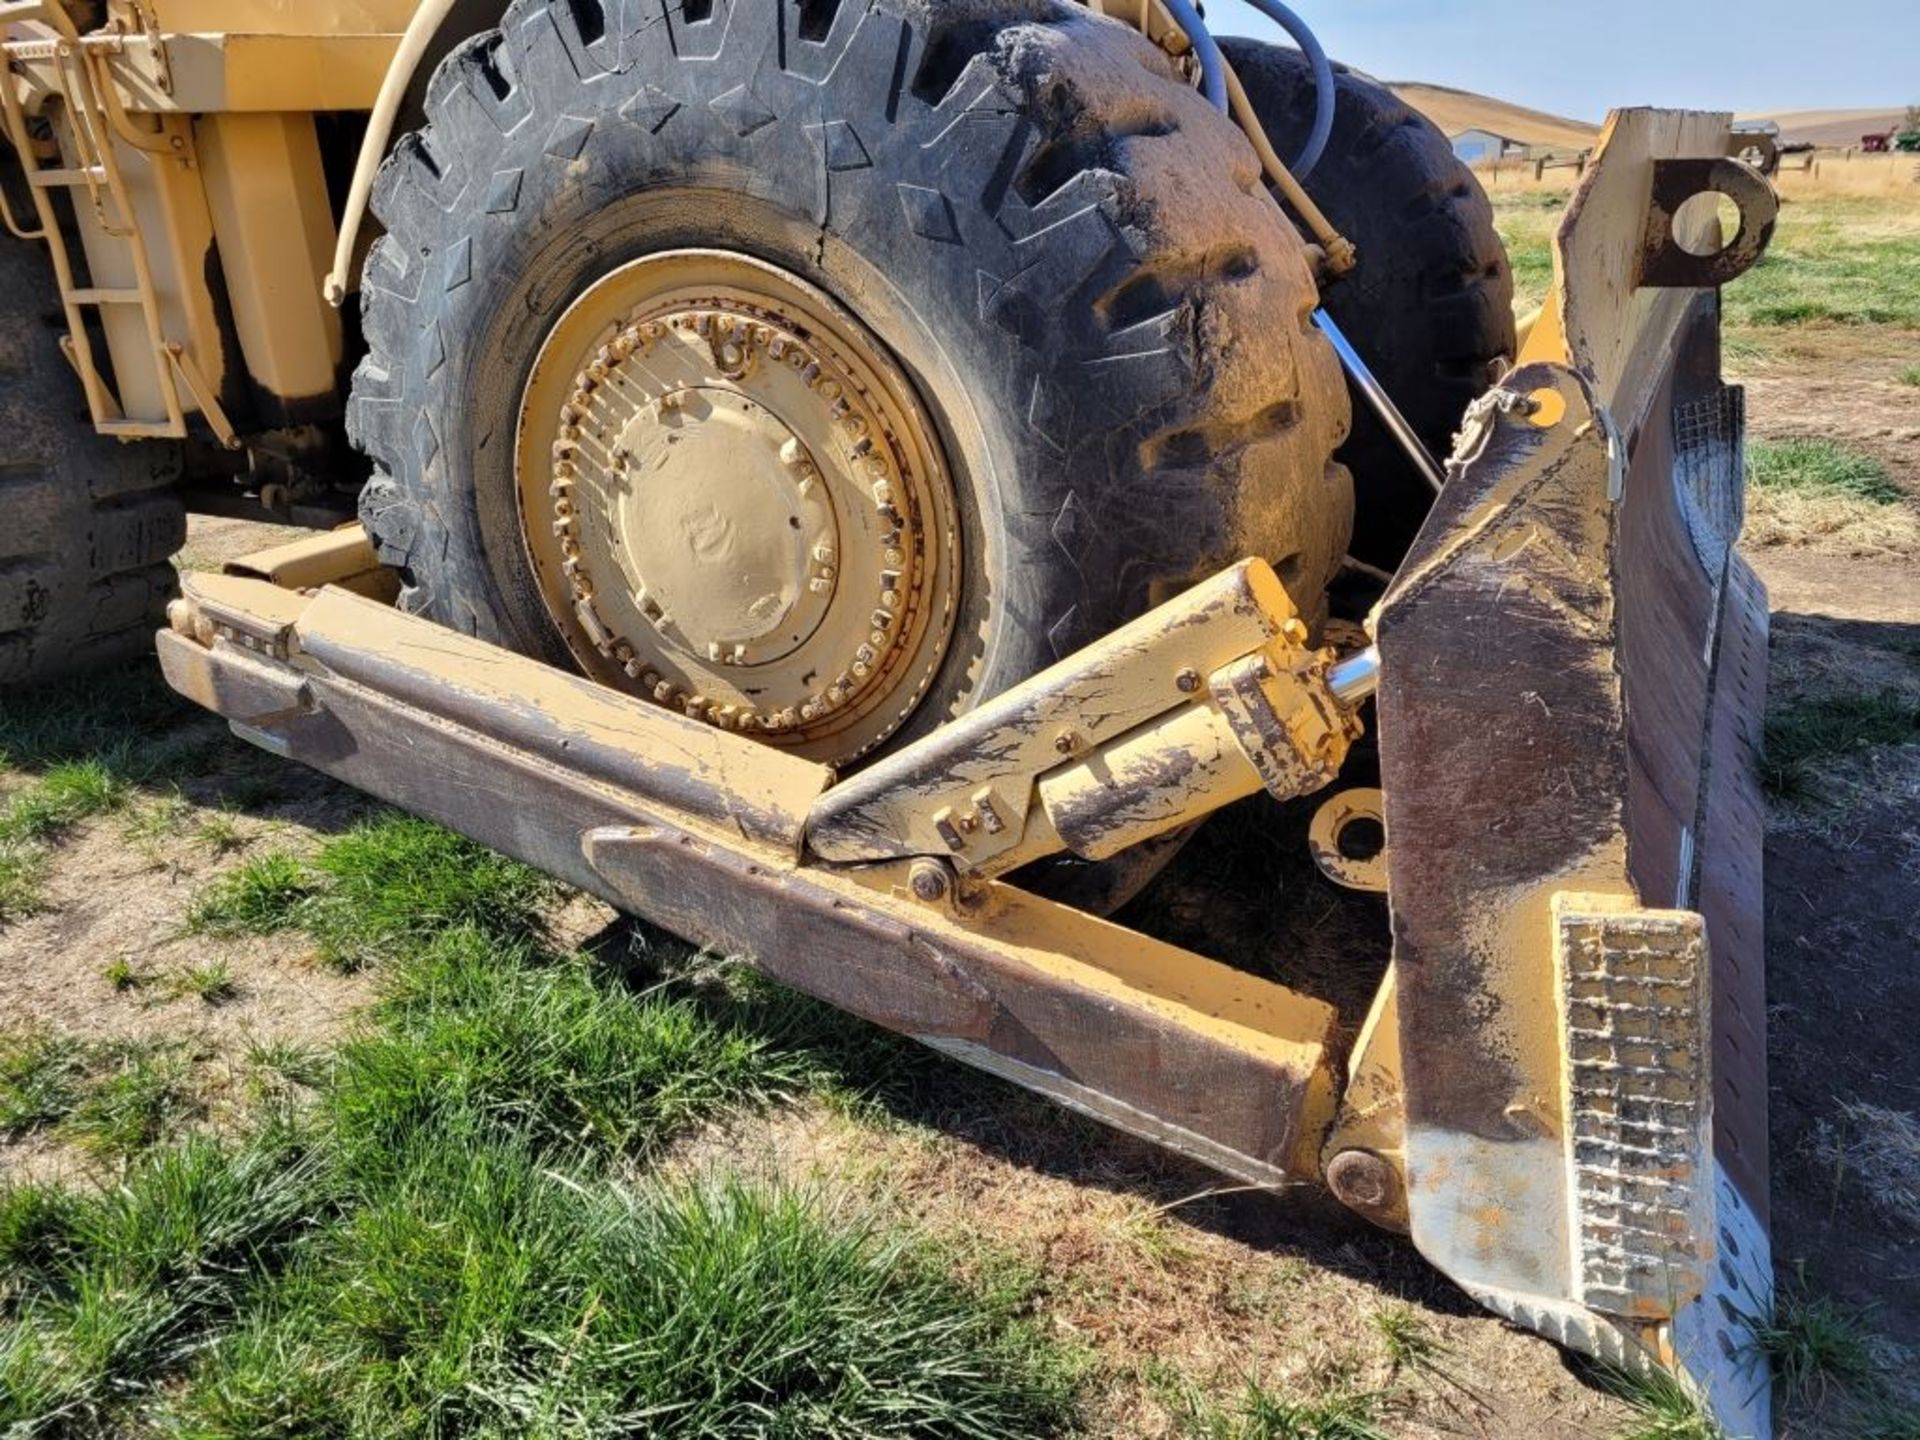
[108, 297]
[68, 179]
[135, 430]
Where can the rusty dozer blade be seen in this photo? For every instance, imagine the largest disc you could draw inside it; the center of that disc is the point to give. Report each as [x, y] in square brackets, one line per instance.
[1573, 672]
[1560, 1092]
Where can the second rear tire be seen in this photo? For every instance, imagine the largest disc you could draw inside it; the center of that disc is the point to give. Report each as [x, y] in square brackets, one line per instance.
[1430, 304]
[88, 525]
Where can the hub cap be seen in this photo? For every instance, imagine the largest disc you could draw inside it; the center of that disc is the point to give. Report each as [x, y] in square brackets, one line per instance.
[736, 506]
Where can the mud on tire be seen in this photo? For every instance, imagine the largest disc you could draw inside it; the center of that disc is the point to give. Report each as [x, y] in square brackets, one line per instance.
[1430, 306]
[1066, 249]
[87, 524]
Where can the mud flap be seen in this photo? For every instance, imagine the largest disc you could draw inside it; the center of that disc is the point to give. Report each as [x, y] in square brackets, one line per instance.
[1573, 675]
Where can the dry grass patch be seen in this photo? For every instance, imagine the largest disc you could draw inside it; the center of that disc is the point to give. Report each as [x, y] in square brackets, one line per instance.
[1877, 1151]
[1833, 522]
[1819, 492]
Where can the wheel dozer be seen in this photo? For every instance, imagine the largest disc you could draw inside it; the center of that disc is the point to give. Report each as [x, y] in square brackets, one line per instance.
[858, 484]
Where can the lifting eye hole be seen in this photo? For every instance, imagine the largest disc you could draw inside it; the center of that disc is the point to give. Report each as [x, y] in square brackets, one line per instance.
[1362, 838]
[1707, 223]
[1348, 840]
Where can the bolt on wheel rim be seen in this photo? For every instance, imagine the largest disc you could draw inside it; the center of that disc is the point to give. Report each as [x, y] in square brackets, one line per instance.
[736, 506]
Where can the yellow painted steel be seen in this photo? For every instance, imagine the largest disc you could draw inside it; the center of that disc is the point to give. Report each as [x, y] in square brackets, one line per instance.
[1365, 1154]
[1599, 319]
[343, 557]
[736, 505]
[736, 811]
[1205, 699]
[268, 196]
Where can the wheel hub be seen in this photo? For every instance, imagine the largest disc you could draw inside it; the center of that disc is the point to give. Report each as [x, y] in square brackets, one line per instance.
[742, 571]
[736, 506]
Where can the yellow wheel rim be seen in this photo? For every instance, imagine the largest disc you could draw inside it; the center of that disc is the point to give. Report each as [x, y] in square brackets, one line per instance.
[736, 506]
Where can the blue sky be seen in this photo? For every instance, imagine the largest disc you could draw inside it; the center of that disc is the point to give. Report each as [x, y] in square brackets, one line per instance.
[1582, 57]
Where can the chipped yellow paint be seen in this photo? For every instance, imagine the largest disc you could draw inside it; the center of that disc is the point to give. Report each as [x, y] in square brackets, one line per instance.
[732, 808]
[1372, 1115]
[1142, 732]
[1598, 318]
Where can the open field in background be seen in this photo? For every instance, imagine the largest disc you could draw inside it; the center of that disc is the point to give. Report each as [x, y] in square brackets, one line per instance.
[316, 1121]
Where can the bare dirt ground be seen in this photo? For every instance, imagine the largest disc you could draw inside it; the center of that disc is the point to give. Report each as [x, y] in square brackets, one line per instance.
[1843, 869]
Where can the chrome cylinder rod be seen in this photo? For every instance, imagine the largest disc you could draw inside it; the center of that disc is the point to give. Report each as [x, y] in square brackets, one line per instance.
[1355, 678]
[1381, 402]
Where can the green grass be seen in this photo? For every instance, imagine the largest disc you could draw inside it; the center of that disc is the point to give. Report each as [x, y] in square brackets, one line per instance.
[117, 1288]
[220, 833]
[112, 1098]
[1813, 1345]
[86, 749]
[1663, 1409]
[22, 874]
[1527, 222]
[135, 1096]
[296, 1064]
[67, 794]
[1821, 467]
[1409, 1344]
[1887, 1420]
[36, 816]
[265, 896]
[91, 720]
[383, 886]
[481, 1291]
[476, 1035]
[212, 981]
[1831, 263]
[443, 1235]
[36, 1232]
[1909, 376]
[1259, 1414]
[1805, 734]
[40, 1079]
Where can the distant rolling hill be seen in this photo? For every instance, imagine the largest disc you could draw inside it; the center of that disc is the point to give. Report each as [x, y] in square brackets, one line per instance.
[1829, 127]
[1457, 110]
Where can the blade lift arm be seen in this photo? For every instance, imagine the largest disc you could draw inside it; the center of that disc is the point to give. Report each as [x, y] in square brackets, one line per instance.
[882, 894]
[1212, 697]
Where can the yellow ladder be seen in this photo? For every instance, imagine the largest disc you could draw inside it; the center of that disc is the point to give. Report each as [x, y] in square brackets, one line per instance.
[96, 170]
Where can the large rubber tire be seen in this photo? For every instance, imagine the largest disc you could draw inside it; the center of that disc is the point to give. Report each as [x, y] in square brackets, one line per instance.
[87, 525]
[1430, 306]
[1066, 249]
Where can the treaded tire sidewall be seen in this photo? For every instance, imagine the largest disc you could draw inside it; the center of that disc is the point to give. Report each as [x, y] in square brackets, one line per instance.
[1430, 306]
[87, 524]
[1121, 364]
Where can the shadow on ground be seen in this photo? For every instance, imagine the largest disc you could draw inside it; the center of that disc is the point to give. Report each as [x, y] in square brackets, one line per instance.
[1843, 977]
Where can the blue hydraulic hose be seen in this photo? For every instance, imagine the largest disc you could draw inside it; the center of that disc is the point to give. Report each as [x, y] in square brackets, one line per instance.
[1323, 90]
[1214, 81]
[1213, 66]
[1213, 71]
